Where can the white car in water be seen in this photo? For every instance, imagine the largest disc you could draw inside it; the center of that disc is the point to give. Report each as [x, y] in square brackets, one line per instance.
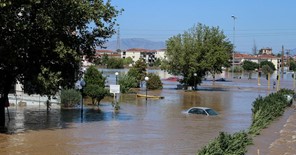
[201, 111]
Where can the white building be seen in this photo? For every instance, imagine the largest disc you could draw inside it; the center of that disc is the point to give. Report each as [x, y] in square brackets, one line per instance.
[150, 56]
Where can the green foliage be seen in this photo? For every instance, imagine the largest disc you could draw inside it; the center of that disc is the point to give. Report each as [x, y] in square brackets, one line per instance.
[42, 42]
[227, 144]
[157, 62]
[267, 109]
[249, 65]
[269, 63]
[238, 69]
[293, 65]
[266, 69]
[115, 63]
[96, 93]
[70, 97]
[95, 84]
[264, 111]
[138, 71]
[154, 82]
[105, 59]
[199, 50]
[127, 82]
[127, 61]
[94, 76]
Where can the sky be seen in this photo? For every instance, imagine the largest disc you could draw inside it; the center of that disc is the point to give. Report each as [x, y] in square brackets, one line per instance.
[264, 23]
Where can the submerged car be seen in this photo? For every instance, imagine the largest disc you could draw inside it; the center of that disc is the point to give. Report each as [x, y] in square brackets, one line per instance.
[201, 111]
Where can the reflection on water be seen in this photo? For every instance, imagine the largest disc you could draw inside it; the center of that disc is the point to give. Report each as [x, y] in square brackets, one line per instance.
[140, 126]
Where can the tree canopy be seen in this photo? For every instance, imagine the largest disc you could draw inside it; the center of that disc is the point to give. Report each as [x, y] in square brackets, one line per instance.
[199, 50]
[269, 63]
[42, 41]
[249, 65]
[95, 84]
[138, 71]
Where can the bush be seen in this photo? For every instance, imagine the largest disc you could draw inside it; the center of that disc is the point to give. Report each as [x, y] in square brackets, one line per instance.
[70, 97]
[227, 144]
[267, 109]
[127, 82]
[154, 81]
[264, 111]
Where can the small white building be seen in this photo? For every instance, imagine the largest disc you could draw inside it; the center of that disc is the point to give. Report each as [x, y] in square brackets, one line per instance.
[149, 56]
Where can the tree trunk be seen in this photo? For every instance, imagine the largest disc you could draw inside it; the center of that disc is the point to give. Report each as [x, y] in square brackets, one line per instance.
[2, 112]
[3, 100]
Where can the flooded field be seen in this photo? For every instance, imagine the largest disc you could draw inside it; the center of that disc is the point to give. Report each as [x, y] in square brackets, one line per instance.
[155, 126]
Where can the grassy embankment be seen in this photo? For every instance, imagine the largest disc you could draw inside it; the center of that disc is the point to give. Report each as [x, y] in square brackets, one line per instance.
[264, 111]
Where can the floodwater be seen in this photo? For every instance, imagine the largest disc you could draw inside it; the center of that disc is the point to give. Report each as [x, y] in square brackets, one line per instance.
[155, 126]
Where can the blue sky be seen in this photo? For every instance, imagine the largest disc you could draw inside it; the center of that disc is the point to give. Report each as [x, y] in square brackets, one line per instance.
[266, 23]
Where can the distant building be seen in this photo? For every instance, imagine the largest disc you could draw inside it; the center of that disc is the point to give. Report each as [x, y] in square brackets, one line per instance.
[114, 54]
[265, 51]
[149, 56]
[240, 58]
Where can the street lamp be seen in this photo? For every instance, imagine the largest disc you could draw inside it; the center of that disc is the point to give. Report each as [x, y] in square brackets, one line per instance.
[194, 80]
[146, 79]
[82, 85]
[116, 74]
[234, 18]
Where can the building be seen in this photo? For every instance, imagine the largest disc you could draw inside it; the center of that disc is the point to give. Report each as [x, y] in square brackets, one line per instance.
[150, 56]
[265, 51]
[240, 58]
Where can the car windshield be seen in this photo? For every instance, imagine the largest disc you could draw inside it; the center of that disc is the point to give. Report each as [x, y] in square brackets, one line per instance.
[211, 112]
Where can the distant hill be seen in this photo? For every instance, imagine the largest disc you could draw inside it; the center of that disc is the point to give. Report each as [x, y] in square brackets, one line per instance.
[136, 43]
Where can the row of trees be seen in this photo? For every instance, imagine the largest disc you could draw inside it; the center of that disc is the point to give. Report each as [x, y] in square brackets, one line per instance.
[95, 83]
[266, 67]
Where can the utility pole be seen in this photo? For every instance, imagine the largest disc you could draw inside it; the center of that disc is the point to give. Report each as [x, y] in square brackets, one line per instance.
[118, 40]
[234, 18]
[288, 58]
[282, 72]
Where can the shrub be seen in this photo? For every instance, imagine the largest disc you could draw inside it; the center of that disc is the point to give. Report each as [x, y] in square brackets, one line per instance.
[70, 97]
[154, 81]
[227, 144]
[267, 109]
[127, 82]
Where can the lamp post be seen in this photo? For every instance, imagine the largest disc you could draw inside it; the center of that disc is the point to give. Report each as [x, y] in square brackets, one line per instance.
[82, 85]
[234, 18]
[194, 80]
[146, 79]
[116, 74]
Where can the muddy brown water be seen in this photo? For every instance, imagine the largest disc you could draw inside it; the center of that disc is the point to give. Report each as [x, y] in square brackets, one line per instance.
[140, 127]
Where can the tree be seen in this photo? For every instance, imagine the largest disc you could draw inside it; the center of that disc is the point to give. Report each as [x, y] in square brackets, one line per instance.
[115, 63]
[95, 84]
[42, 42]
[249, 66]
[127, 82]
[154, 81]
[199, 50]
[96, 93]
[104, 60]
[266, 69]
[70, 97]
[293, 66]
[138, 71]
[127, 61]
[269, 63]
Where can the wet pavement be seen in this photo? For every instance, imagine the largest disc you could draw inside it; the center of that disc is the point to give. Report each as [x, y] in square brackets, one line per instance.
[140, 127]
